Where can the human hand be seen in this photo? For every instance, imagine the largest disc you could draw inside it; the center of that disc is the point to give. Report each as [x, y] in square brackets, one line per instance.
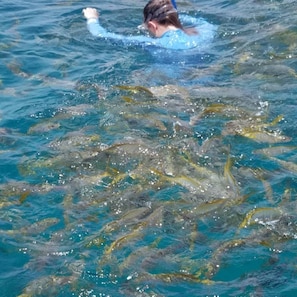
[90, 13]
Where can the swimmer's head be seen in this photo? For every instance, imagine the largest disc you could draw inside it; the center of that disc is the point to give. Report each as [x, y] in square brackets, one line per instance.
[161, 11]
[164, 13]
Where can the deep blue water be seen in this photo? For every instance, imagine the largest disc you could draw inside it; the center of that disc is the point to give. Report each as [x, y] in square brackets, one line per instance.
[128, 172]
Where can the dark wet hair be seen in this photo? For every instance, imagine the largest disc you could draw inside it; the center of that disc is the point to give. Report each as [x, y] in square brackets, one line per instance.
[164, 13]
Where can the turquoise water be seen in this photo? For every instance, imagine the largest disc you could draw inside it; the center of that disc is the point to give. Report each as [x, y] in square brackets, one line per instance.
[126, 172]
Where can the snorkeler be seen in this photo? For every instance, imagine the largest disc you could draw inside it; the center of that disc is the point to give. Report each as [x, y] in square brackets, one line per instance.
[162, 21]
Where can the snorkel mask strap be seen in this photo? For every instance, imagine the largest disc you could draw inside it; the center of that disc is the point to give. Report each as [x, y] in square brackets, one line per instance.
[160, 13]
[174, 4]
[157, 14]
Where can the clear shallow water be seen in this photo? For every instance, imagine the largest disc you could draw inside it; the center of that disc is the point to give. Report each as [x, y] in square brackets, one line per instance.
[186, 184]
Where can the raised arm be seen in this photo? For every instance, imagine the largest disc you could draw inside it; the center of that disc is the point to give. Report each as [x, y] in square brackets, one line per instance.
[92, 16]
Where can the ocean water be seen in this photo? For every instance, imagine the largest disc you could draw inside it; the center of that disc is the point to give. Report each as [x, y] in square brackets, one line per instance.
[130, 172]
